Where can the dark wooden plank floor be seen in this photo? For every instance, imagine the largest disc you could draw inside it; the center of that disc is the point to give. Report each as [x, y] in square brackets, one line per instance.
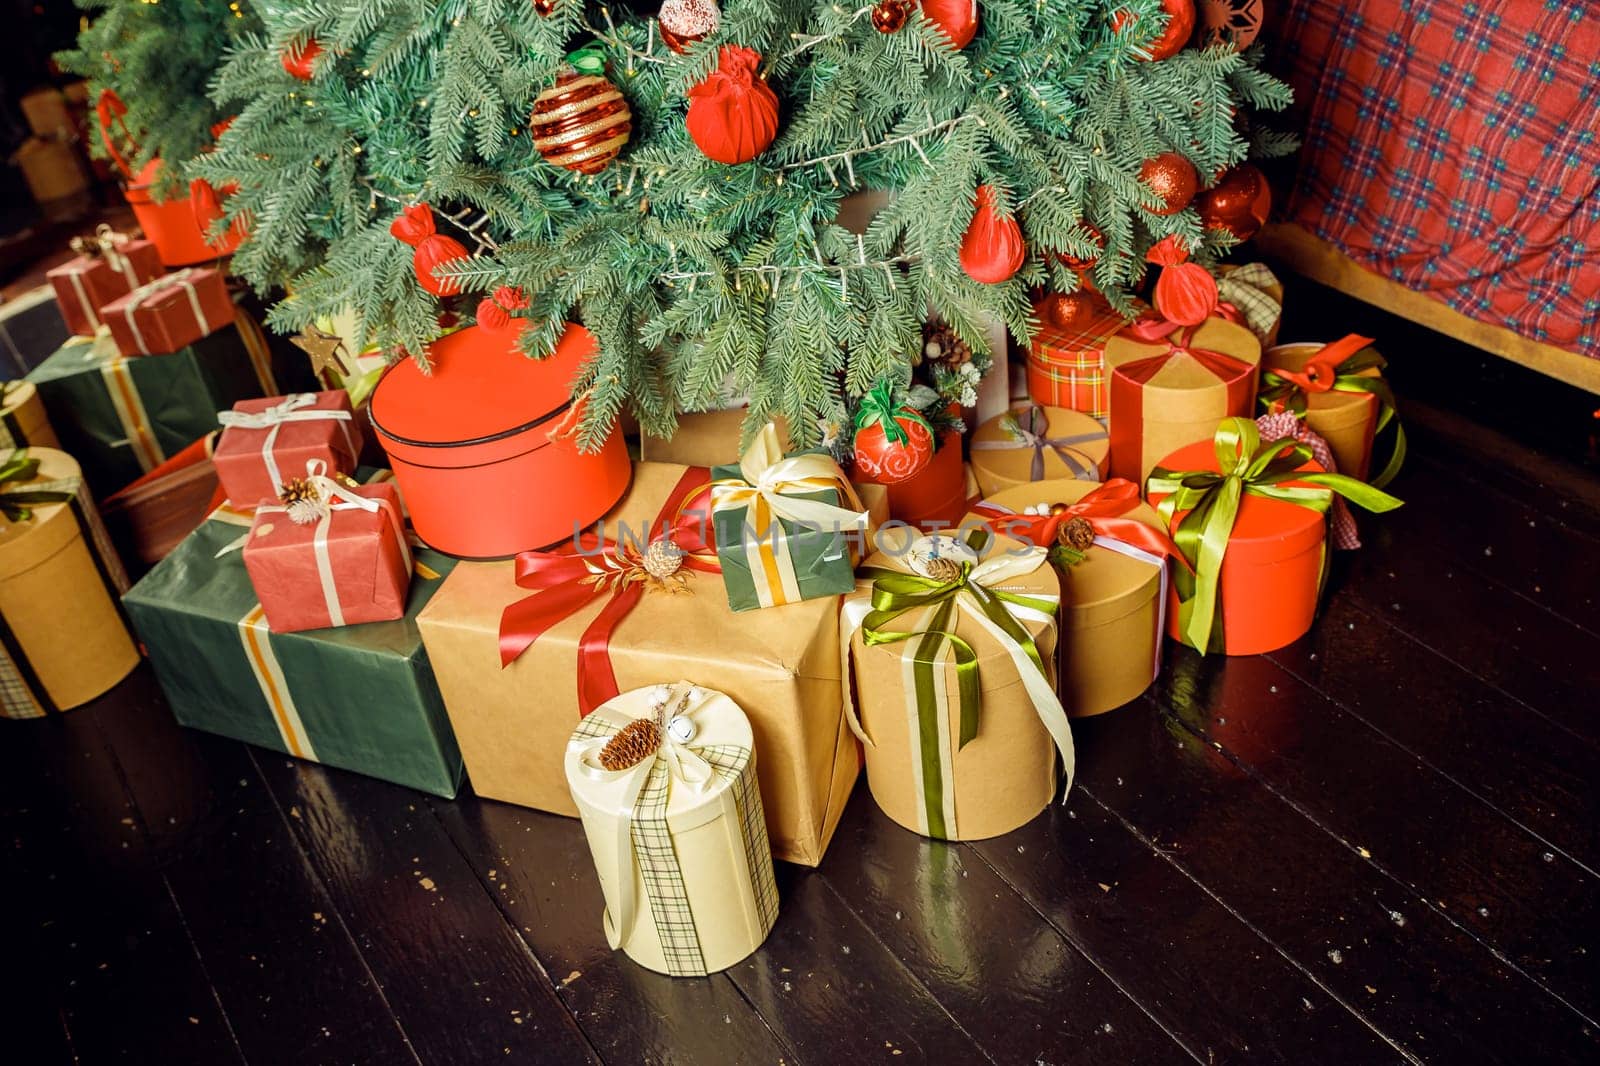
[1376, 845]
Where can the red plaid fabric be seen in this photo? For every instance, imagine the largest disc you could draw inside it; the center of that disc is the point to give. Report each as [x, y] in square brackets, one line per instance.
[1452, 146]
[1068, 368]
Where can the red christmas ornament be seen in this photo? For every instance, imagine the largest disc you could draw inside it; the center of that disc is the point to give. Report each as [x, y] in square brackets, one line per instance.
[733, 113]
[992, 250]
[892, 442]
[890, 15]
[544, 8]
[1232, 22]
[1185, 292]
[1071, 311]
[683, 22]
[1082, 263]
[957, 18]
[494, 312]
[1239, 202]
[1179, 28]
[581, 122]
[300, 63]
[1171, 177]
[415, 227]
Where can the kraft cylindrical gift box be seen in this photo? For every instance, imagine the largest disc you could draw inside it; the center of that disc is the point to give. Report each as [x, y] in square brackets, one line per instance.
[22, 419]
[63, 640]
[947, 763]
[1346, 420]
[1113, 600]
[674, 821]
[1034, 443]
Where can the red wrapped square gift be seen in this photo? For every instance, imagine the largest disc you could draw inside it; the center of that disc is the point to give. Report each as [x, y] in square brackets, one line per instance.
[266, 441]
[335, 554]
[102, 271]
[168, 314]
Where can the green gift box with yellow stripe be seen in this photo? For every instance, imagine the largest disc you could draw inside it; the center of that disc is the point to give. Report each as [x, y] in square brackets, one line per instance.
[360, 697]
[122, 417]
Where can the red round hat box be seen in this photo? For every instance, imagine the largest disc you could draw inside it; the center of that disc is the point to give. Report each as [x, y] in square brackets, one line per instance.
[475, 445]
[936, 496]
[171, 224]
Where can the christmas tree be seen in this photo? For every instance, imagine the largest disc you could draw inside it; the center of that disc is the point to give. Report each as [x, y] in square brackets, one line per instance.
[156, 56]
[674, 180]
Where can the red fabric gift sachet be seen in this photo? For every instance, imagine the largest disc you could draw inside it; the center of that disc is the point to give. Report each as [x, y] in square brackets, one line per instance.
[108, 265]
[335, 555]
[170, 313]
[264, 440]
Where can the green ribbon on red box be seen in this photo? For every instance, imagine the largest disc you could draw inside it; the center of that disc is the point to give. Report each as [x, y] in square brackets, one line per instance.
[1339, 367]
[1247, 467]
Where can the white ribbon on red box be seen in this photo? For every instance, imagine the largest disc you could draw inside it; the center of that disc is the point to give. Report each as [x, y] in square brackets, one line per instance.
[293, 408]
[139, 296]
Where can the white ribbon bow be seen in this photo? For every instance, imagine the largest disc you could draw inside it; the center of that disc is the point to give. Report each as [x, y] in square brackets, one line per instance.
[769, 475]
[685, 768]
[293, 408]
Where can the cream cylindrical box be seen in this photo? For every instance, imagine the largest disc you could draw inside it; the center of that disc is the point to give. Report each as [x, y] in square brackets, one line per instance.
[679, 839]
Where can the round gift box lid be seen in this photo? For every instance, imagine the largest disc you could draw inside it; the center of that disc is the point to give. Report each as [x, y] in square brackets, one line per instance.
[1183, 371]
[1107, 584]
[1088, 444]
[1267, 530]
[482, 388]
[24, 545]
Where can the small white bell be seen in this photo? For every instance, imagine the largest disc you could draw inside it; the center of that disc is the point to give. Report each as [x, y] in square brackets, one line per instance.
[681, 728]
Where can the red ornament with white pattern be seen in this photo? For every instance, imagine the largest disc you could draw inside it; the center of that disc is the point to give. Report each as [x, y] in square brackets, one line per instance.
[892, 442]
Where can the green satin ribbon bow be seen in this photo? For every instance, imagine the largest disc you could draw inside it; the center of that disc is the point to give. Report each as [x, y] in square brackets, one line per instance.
[895, 592]
[17, 505]
[1212, 499]
[1347, 377]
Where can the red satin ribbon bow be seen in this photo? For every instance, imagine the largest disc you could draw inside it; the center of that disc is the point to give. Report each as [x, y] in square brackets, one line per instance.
[108, 108]
[1229, 313]
[566, 579]
[1179, 339]
[1322, 370]
[1103, 507]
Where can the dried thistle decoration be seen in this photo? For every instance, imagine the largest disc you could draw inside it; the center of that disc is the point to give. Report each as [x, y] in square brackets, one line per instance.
[632, 744]
[304, 504]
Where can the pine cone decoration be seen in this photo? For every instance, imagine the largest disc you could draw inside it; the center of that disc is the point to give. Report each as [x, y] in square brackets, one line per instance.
[662, 559]
[939, 568]
[940, 344]
[300, 497]
[1076, 533]
[633, 743]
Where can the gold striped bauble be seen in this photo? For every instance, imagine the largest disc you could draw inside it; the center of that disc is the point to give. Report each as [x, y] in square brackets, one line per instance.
[581, 122]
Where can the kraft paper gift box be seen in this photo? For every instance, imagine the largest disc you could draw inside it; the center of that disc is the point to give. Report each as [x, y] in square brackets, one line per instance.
[1172, 384]
[1067, 368]
[958, 750]
[1034, 443]
[267, 441]
[1250, 516]
[1339, 390]
[105, 268]
[1254, 294]
[164, 315]
[1113, 587]
[123, 417]
[23, 422]
[360, 698]
[579, 641]
[787, 527]
[704, 438]
[63, 637]
[335, 556]
[675, 826]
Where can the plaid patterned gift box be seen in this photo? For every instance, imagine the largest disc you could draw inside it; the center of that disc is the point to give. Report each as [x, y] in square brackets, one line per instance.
[1066, 368]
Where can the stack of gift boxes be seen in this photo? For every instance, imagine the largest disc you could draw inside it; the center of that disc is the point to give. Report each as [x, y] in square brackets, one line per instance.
[699, 656]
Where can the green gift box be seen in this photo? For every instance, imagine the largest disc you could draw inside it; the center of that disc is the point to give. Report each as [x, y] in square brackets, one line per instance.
[784, 526]
[359, 697]
[121, 417]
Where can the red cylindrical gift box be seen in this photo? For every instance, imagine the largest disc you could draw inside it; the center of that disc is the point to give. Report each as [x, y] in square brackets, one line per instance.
[171, 224]
[1272, 572]
[936, 496]
[482, 449]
